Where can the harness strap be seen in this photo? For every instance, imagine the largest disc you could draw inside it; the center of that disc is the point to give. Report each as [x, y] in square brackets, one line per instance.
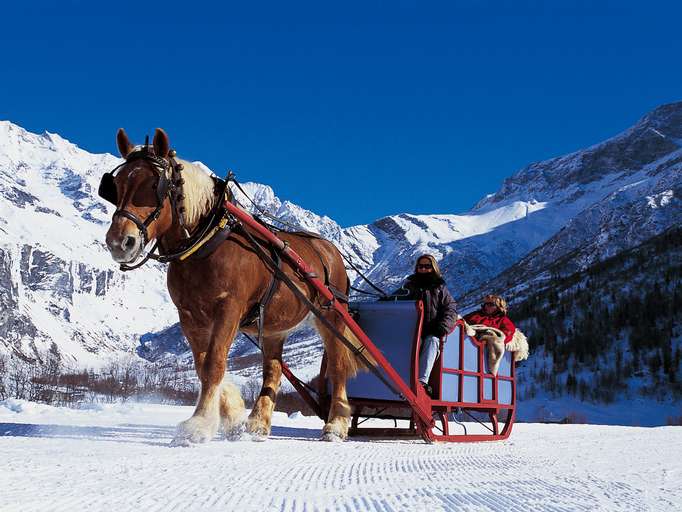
[265, 300]
[364, 278]
[319, 256]
[210, 243]
[315, 311]
[141, 226]
[338, 294]
[215, 226]
[148, 256]
[307, 234]
[308, 240]
[257, 312]
[302, 383]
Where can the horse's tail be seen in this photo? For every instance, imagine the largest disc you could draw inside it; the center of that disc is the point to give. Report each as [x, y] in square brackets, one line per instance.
[355, 362]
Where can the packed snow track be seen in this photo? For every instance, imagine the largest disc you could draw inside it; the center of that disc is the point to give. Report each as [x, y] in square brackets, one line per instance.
[117, 457]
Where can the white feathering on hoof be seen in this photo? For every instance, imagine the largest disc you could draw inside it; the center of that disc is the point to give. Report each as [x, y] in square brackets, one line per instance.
[332, 437]
[257, 437]
[195, 430]
[336, 430]
[180, 442]
[236, 432]
[232, 411]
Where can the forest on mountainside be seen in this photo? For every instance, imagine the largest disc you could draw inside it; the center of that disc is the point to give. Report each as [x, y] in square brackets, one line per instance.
[611, 330]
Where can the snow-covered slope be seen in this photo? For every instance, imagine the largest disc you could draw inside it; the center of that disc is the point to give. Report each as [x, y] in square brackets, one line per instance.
[58, 281]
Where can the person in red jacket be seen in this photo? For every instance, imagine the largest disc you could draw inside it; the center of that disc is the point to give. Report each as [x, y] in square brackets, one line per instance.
[493, 313]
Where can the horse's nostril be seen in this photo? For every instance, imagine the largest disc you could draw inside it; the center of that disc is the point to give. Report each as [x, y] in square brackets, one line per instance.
[128, 243]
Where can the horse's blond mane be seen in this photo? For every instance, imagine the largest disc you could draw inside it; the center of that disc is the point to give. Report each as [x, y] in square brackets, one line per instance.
[198, 192]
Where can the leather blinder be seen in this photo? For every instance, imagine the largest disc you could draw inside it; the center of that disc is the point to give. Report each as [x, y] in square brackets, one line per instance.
[107, 189]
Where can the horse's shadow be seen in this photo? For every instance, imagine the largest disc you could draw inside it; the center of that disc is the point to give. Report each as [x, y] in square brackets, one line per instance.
[299, 433]
[132, 433]
[152, 435]
[314, 434]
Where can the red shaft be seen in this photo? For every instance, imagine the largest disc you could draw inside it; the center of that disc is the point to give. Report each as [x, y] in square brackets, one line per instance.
[307, 273]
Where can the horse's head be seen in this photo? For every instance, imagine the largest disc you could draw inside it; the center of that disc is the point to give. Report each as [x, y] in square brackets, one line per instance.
[142, 189]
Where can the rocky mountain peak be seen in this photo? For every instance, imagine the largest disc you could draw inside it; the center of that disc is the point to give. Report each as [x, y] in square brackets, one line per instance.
[657, 134]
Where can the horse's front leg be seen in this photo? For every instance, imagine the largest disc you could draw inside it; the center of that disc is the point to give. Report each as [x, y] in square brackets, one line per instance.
[218, 397]
[259, 422]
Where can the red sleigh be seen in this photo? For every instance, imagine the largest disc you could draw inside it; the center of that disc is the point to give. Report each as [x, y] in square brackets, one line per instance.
[390, 333]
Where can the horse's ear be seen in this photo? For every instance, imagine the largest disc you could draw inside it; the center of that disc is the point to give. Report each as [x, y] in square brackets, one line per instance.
[161, 143]
[123, 142]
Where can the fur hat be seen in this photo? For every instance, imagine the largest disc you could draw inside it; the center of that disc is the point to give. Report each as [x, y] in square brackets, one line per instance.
[498, 301]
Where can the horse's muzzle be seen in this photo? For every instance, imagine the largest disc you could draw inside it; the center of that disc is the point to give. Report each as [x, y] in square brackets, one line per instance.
[124, 248]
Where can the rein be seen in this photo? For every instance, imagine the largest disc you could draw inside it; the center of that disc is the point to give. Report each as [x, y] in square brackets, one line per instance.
[381, 293]
[215, 230]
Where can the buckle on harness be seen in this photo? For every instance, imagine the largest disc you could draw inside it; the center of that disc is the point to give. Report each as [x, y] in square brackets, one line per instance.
[329, 304]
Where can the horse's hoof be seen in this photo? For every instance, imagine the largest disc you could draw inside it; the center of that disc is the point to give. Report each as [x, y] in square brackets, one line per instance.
[195, 430]
[257, 430]
[179, 442]
[332, 437]
[259, 438]
[236, 432]
[335, 430]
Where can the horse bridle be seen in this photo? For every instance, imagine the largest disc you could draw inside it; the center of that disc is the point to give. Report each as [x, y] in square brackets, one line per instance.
[169, 184]
[205, 239]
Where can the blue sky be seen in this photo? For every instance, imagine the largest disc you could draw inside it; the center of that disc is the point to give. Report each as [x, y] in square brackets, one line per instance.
[355, 110]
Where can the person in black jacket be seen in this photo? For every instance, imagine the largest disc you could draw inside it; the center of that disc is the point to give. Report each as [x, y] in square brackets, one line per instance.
[440, 311]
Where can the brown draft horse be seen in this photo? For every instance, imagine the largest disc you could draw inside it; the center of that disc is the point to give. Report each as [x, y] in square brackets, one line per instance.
[214, 294]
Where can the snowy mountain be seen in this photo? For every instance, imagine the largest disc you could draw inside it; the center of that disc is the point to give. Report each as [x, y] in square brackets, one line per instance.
[594, 203]
[59, 283]
[620, 193]
[610, 334]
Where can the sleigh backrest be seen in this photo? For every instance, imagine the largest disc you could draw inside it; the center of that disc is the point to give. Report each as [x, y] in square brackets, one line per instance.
[392, 327]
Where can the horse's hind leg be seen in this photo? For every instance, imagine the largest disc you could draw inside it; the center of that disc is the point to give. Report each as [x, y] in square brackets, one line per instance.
[259, 421]
[340, 365]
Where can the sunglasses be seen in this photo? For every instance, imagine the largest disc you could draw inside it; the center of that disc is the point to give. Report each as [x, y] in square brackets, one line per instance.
[425, 266]
[489, 304]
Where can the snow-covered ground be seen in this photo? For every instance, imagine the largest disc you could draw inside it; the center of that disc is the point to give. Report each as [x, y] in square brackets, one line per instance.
[116, 457]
